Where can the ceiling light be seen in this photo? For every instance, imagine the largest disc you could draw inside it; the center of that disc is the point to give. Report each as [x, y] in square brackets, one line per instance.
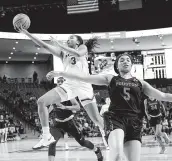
[34, 57]
[32, 62]
[6, 62]
[11, 53]
[14, 48]
[9, 57]
[17, 42]
[36, 53]
[38, 48]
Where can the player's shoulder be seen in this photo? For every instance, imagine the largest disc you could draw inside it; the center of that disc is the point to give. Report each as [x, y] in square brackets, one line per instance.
[111, 78]
[83, 48]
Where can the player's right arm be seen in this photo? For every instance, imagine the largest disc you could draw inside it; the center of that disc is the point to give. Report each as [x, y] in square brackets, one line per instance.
[92, 79]
[55, 50]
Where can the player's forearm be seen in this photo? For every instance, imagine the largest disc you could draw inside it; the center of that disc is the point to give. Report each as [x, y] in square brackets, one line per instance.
[166, 97]
[35, 39]
[92, 79]
[54, 50]
[73, 76]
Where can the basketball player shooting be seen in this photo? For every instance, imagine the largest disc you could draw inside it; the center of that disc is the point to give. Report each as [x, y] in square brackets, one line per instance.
[74, 58]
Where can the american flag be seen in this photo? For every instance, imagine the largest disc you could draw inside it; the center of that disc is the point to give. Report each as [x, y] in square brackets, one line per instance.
[82, 6]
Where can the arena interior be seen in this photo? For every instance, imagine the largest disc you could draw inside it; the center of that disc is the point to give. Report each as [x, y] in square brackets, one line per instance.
[143, 28]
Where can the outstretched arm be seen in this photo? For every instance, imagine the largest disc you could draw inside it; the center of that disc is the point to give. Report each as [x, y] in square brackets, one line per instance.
[154, 93]
[92, 79]
[55, 50]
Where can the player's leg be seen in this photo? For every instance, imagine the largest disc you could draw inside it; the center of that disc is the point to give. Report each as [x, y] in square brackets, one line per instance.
[92, 111]
[133, 150]
[66, 141]
[53, 96]
[132, 146]
[57, 134]
[3, 135]
[0, 135]
[159, 137]
[6, 133]
[114, 128]
[73, 130]
[159, 130]
[116, 147]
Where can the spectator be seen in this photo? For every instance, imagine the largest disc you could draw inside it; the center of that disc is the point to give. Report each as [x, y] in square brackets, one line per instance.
[35, 77]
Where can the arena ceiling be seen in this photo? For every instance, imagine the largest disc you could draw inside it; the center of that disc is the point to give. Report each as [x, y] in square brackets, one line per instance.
[54, 19]
[25, 50]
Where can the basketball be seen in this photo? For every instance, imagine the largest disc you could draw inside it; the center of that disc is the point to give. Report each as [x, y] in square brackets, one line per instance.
[21, 19]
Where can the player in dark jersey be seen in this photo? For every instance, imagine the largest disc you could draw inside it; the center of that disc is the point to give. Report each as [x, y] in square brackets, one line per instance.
[123, 121]
[63, 122]
[155, 112]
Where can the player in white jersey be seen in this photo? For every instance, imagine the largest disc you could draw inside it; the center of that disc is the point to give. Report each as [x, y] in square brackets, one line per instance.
[74, 59]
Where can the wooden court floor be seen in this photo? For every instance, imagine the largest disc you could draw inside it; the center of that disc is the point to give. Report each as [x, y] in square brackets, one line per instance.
[22, 151]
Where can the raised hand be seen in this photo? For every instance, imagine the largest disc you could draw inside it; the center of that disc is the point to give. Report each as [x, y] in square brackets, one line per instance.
[19, 28]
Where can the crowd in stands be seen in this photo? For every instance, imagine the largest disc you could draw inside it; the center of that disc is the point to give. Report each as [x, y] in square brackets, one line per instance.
[19, 99]
[10, 128]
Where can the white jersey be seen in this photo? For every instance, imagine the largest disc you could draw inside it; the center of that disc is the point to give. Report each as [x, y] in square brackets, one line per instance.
[78, 65]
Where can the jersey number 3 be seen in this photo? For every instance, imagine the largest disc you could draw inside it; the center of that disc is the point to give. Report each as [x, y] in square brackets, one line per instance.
[126, 93]
[73, 60]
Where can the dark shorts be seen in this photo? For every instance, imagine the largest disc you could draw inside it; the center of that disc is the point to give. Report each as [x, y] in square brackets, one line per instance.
[155, 121]
[131, 126]
[60, 128]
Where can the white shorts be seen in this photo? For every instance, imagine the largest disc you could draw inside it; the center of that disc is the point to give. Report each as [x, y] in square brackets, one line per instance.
[85, 96]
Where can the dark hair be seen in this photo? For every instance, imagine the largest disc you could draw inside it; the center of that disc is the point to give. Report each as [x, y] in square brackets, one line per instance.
[91, 44]
[80, 40]
[117, 59]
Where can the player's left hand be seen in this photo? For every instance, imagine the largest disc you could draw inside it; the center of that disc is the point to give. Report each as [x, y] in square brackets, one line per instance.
[19, 28]
[52, 74]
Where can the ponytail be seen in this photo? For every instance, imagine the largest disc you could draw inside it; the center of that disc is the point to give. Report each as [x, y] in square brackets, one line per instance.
[91, 44]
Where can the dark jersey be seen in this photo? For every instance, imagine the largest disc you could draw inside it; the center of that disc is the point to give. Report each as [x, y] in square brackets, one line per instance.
[126, 96]
[62, 114]
[2, 124]
[154, 108]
